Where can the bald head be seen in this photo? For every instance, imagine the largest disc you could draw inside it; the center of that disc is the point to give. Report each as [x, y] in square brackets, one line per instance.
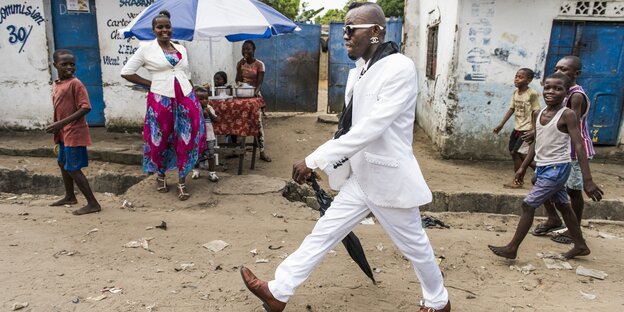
[370, 12]
[574, 61]
[365, 28]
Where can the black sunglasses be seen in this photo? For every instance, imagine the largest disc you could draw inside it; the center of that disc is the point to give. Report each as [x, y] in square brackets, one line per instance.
[350, 29]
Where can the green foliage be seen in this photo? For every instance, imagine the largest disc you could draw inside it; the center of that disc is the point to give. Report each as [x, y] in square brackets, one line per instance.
[392, 7]
[289, 8]
[346, 7]
[332, 15]
[306, 14]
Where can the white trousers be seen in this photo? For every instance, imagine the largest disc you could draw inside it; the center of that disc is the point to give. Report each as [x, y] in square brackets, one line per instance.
[349, 208]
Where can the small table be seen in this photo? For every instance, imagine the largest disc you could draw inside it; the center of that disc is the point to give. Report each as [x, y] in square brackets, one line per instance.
[240, 117]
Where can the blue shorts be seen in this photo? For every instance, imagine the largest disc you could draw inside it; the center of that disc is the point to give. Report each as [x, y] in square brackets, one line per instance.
[575, 181]
[72, 157]
[549, 184]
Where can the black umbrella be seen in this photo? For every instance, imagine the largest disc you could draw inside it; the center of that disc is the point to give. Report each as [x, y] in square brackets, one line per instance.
[351, 241]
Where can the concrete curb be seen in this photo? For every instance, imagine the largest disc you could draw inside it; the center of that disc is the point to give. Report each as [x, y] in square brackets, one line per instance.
[117, 156]
[473, 202]
[329, 119]
[511, 204]
[20, 181]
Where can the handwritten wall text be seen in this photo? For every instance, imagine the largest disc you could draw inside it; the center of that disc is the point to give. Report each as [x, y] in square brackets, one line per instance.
[23, 9]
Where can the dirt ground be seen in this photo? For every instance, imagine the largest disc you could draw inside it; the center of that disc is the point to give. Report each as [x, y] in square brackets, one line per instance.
[56, 261]
[51, 259]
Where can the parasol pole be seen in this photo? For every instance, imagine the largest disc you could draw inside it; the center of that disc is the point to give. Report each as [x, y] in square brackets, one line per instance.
[213, 90]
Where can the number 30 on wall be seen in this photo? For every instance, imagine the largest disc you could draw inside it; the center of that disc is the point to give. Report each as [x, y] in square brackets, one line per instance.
[19, 35]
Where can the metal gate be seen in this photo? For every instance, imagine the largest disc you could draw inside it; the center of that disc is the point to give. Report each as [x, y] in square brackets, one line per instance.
[292, 69]
[600, 45]
[77, 31]
[340, 63]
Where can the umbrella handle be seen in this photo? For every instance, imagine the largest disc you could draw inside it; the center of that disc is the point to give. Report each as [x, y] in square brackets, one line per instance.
[312, 180]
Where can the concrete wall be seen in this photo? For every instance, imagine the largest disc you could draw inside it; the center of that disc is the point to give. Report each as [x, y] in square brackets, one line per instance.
[209, 57]
[437, 98]
[496, 39]
[621, 143]
[481, 45]
[124, 107]
[25, 90]
[25, 81]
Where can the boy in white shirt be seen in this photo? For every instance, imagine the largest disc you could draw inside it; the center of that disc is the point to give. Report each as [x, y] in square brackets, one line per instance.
[211, 140]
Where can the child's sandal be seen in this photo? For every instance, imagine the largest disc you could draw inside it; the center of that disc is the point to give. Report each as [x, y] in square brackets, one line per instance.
[182, 194]
[161, 185]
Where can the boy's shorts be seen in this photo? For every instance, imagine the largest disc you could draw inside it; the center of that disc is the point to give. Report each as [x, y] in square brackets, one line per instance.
[515, 141]
[575, 181]
[524, 148]
[72, 157]
[549, 184]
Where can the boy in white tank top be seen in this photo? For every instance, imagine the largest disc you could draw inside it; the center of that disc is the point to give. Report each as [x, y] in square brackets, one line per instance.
[555, 126]
[578, 101]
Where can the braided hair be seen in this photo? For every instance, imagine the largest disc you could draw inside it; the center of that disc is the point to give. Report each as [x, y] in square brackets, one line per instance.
[161, 14]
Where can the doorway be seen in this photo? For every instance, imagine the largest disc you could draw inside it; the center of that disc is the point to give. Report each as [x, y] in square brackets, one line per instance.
[600, 45]
[77, 31]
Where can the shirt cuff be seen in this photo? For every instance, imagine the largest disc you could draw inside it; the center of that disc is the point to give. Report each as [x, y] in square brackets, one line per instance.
[310, 162]
[313, 163]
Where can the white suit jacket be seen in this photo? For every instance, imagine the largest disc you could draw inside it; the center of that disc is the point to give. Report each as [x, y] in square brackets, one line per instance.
[377, 151]
[152, 57]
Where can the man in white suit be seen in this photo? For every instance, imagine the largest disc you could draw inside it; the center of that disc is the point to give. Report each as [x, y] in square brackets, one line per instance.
[370, 160]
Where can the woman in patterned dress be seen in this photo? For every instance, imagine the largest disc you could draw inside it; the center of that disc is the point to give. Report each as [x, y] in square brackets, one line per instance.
[174, 131]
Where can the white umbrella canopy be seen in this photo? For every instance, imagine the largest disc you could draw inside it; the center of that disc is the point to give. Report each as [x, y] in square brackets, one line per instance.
[236, 20]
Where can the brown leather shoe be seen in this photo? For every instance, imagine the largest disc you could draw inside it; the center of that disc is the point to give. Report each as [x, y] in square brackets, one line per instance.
[261, 290]
[447, 308]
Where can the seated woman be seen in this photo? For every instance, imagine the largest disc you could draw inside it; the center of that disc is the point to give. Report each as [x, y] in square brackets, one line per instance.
[251, 71]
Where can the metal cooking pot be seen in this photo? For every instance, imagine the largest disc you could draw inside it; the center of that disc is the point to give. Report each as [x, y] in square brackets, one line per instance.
[245, 92]
[219, 91]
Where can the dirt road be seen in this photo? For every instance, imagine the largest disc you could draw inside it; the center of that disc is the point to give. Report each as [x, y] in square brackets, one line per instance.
[56, 261]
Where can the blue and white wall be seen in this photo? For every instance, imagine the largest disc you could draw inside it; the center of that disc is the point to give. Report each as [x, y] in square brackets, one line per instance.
[481, 45]
[496, 38]
[124, 106]
[437, 97]
[25, 100]
[27, 43]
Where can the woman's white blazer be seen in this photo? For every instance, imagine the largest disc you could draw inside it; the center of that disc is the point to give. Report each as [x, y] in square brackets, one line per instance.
[151, 57]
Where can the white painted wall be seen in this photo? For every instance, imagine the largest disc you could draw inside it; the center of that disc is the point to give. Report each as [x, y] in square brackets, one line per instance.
[436, 95]
[474, 82]
[125, 106]
[25, 82]
[485, 79]
[209, 57]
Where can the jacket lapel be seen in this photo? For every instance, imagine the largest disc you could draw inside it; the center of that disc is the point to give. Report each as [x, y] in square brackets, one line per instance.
[160, 54]
[354, 75]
